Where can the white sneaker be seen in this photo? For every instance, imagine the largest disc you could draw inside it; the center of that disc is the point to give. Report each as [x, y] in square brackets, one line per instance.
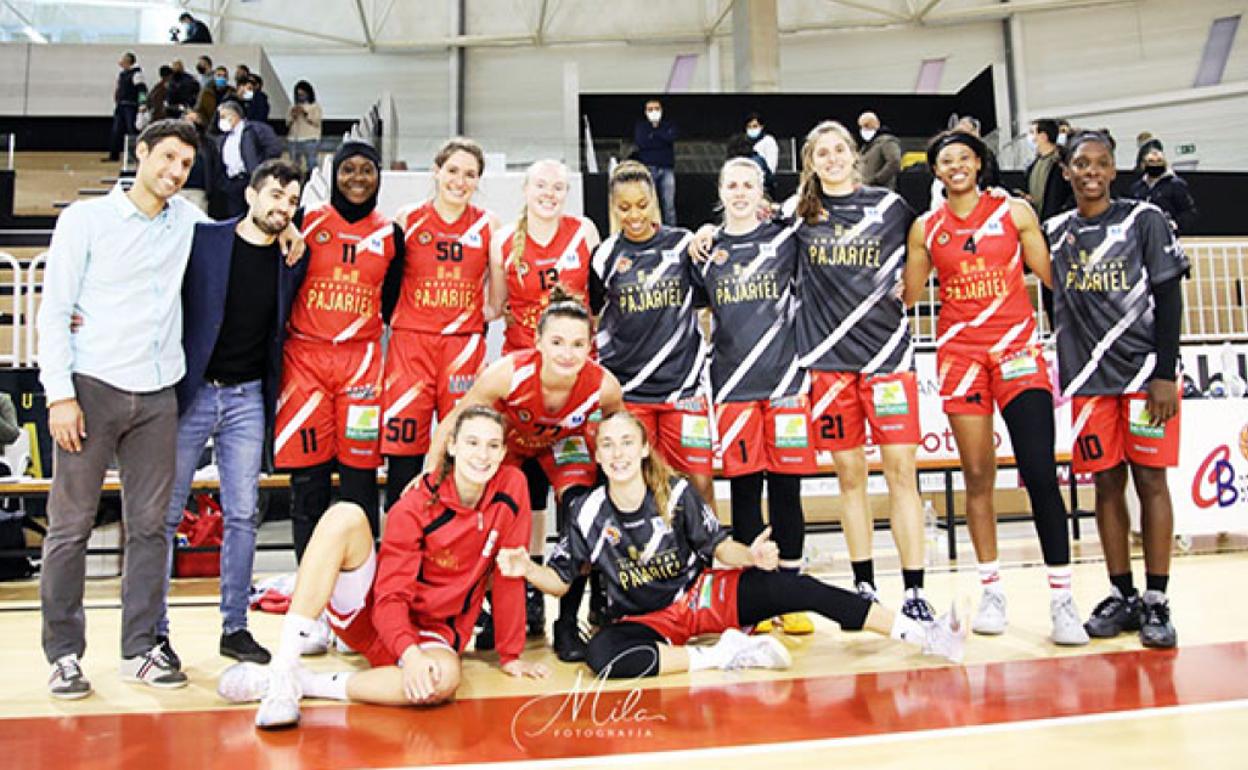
[990, 618]
[67, 681]
[280, 705]
[153, 669]
[946, 637]
[317, 643]
[1068, 630]
[244, 683]
[753, 651]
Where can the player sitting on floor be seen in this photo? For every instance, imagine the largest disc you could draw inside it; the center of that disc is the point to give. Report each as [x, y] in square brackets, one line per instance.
[409, 609]
[654, 540]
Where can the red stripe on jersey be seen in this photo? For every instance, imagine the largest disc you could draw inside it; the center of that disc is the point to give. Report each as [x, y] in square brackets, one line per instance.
[340, 299]
[530, 428]
[565, 261]
[444, 272]
[979, 264]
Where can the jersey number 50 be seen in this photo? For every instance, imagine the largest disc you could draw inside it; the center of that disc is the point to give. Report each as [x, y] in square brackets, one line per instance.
[450, 250]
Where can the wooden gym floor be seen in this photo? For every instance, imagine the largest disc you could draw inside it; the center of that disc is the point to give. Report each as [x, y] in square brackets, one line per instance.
[849, 700]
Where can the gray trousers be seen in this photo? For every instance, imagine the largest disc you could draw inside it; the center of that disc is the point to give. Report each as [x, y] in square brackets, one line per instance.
[140, 430]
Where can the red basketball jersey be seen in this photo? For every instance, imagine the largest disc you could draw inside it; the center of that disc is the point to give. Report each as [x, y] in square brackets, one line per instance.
[565, 261]
[340, 298]
[979, 261]
[444, 273]
[530, 428]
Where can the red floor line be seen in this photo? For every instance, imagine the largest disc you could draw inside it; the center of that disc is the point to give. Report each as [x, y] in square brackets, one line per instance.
[559, 725]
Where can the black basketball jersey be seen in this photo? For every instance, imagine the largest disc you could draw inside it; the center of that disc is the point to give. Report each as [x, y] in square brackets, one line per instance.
[849, 318]
[1103, 271]
[647, 564]
[748, 282]
[648, 334]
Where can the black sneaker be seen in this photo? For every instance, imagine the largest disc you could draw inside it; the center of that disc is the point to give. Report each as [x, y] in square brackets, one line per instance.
[534, 612]
[1156, 630]
[485, 631]
[166, 648]
[1114, 615]
[242, 646]
[917, 608]
[570, 646]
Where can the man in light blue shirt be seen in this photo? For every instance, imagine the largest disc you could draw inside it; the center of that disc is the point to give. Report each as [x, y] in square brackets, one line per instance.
[117, 262]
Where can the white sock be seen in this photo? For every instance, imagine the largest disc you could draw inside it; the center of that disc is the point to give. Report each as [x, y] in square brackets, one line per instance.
[295, 629]
[1059, 581]
[331, 685]
[908, 630]
[990, 574]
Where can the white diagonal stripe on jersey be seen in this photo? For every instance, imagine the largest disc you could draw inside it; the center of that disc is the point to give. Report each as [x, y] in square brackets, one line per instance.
[376, 240]
[401, 402]
[1146, 371]
[996, 216]
[826, 401]
[300, 418]
[599, 260]
[865, 222]
[735, 429]
[967, 379]
[459, 321]
[476, 227]
[657, 530]
[938, 219]
[474, 342]
[863, 308]
[789, 374]
[985, 314]
[661, 357]
[889, 347]
[368, 360]
[308, 227]
[763, 255]
[588, 405]
[695, 371]
[1084, 415]
[582, 233]
[1120, 328]
[518, 376]
[1010, 335]
[755, 353]
[350, 331]
[1110, 240]
[412, 227]
[1052, 226]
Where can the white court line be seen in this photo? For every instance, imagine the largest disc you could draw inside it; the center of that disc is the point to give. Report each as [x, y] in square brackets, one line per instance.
[770, 750]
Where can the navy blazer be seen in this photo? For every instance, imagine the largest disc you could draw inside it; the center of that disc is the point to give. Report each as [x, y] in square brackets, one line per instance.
[204, 288]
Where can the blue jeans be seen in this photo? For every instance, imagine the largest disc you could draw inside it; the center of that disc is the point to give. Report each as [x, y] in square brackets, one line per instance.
[233, 416]
[665, 184]
[304, 153]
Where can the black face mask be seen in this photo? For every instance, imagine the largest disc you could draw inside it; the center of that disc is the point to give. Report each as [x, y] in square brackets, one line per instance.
[1154, 171]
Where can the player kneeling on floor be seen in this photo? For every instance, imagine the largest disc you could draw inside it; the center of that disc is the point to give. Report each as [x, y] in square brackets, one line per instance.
[409, 608]
[655, 542]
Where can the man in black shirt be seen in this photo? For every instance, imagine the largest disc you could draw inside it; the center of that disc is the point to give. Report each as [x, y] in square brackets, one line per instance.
[234, 310]
[130, 93]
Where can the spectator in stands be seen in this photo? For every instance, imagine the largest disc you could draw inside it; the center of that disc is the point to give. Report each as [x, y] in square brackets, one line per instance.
[760, 147]
[1046, 189]
[880, 152]
[128, 96]
[213, 96]
[193, 30]
[183, 90]
[118, 262]
[197, 189]
[204, 68]
[1159, 185]
[235, 303]
[656, 148]
[255, 100]
[1146, 143]
[241, 73]
[157, 97]
[10, 430]
[303, 127]
[244, 145]
[990, 173]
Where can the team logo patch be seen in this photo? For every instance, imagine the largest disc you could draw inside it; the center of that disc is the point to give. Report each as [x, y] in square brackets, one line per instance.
[786, 402]
[522, 268]
[367, 392]
[767, 250]
[569, 261]
[720, 256]
[890, 398]
[1019, 365]
[994, 228]
[576, 420]
[624, 265]
[942, 239]
[322, 237]
[595, 416]
[1114, 231]
[695, 431]
[445, 558]
[472, 241]
[1140, 421]
[671, 255]
[363, 422]
[571, 451]
[524, 415]
[460, 383]
[611, 534]
[424, 237]
[791, 431]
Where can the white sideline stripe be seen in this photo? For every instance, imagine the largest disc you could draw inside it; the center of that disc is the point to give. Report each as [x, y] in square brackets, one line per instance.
[735, 753]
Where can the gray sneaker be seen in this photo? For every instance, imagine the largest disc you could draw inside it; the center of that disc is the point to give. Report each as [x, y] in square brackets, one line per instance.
[990, 618]
[1068, 629]
[1156, 630]
[946, 637]
[67, 681]
[280, 705]
[153, 669]
[1115, 615]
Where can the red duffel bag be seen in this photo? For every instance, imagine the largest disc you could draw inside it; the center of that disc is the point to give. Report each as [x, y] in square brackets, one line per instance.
[204, 529]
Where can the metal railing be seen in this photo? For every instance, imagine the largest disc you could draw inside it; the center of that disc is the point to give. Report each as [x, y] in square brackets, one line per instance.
[11, 349]
[34, 288]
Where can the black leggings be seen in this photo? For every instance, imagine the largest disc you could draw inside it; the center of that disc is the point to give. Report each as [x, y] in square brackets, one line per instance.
[629, 650]
[784, 508]
[310, 493]
[1029, 418]
[400, 469]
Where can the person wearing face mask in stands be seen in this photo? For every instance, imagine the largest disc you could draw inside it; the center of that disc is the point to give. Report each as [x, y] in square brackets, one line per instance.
[255, 100]
[1160, 186]
[881, 152]
[192, 30]
[760, 147]
[244, 145]
[656, 149]
[213, 95]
